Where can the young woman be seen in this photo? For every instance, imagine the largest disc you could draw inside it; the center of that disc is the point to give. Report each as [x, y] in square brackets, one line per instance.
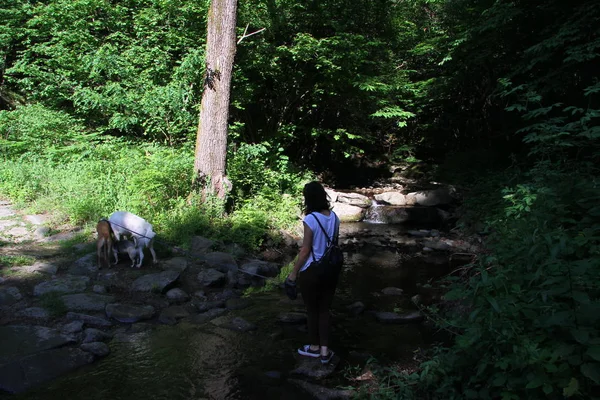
[317, 291]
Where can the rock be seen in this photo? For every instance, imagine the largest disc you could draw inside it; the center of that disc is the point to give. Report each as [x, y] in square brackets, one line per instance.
[66, 284]
[200, 294]
[111, 279]
[9, 296]
[86, 301]
[416, 299]
[18, 231]
[260, 267]
[98, 349]
[273, 374]
[391, 198]
[348, 213]
[72, 327]
[200, 245]
[99, 289]
[220, 261]
[6, 212]
[89, 319]
[170, 315]
[392, 291]
[211, 277]
[85, 266]
[36, 219]
[320, 392]
[393, 318]
[156, 283]
[235, 324]
[207, 316]
[226, 295]
[437, 244]
[354, 199]
[419, 233]
[41, 232]
[292, 318]
[127, 313]
[2, 280]
[95, 335]
[356, 308]
[22, 340]
[42, 267]
[237, 304]
[435, 197]
[35, 369]
[140, 327]
[33, 312]
[209, 305]
[178, 264]
[312, 367]
[332, 194]
[177, 295]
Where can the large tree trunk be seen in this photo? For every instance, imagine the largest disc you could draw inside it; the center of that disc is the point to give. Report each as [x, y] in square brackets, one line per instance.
[211, 140]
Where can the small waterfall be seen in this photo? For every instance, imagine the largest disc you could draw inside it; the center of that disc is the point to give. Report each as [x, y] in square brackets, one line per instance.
[374, 214]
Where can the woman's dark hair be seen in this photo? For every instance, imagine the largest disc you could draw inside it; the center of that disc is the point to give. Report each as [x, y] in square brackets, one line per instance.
[315, 198]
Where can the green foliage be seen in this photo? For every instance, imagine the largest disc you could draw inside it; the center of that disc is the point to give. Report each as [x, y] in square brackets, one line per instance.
[7, 262]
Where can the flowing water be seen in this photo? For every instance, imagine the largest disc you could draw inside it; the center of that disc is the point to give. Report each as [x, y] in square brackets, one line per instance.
[208, 362]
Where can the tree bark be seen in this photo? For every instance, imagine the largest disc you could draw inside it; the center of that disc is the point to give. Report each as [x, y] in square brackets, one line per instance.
[211, 139]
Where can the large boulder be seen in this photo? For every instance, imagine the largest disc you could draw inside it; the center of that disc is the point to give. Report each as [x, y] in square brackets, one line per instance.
[211, 277]
[434, 197]
[89, 319]
[218, 260]
[158, 283]
[391, 198]
[21, 340]
[176, 264]
[9, 296]
[354, 199]
[66, 284]
[348, 213]
[85, 266]
[200, 245]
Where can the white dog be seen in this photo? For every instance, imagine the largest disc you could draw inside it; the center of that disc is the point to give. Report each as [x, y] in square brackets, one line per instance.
[124, 223]
[126, 246]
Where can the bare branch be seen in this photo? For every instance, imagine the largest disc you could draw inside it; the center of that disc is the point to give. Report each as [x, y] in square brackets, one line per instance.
[244, 36]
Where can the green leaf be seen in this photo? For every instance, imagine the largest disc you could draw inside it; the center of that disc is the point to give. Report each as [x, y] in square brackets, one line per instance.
[591, 371]
[493, 302]
[594, 352]
[572, 388]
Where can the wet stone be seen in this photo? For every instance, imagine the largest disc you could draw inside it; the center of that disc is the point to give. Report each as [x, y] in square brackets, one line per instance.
[99, 289]
[209, 305]
[9, 296]
[33, 312]
[171, 315]
[129, 313]
[89, 319]
[392, 291]
[86, 301]
[237, 304]
[207, 316]
[177, 295]
[98, 349]
[95, 335]
[21, 340]
[394, 318]
[72, 327]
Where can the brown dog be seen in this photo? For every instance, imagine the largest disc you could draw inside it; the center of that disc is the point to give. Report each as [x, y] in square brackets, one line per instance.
[104, 243]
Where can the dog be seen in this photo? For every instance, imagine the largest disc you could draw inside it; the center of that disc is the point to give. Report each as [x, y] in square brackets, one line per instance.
[124, 223]
[126, 246]
[104, 243]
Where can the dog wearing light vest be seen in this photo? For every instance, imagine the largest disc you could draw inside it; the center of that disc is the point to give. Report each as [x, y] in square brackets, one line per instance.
[124, 223]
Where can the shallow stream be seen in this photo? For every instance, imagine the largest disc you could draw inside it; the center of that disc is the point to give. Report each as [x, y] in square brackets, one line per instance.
[208, 362]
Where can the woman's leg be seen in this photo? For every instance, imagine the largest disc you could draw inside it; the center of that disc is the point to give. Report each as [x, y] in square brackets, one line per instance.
[308, 283]
[325, 299]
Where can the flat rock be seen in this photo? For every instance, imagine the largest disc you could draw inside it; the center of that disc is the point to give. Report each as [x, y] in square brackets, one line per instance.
[42, 267]
[211, 277]
[22, 340]
[72, 327]
[394, 318]
[356, 308]
[100, 289]
[85, 266]
[438, 244]
[223, 262]
[36, 219]
[33, 370]
[177, 295]
[207, 316]
[260, 267]
[235, 324]
[157, 283]
[237, 304]
[41, 232]
[127, 313]
[89, 319]
[66, 284]
[171, 315]
[292, 318]
[392, 291]
[98, 349]
[178, 264]
[348, 213]
[433, 197]
[204, 306]
[9, 296]
[6, 211]
[33, 312]
[86, 301]
[354, 199]
[391, 198]
[312, 367]
[95, 335]
[18, 231]
[320, 392]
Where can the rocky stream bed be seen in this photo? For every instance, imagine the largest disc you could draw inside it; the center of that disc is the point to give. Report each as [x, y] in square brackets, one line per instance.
[185, 329]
